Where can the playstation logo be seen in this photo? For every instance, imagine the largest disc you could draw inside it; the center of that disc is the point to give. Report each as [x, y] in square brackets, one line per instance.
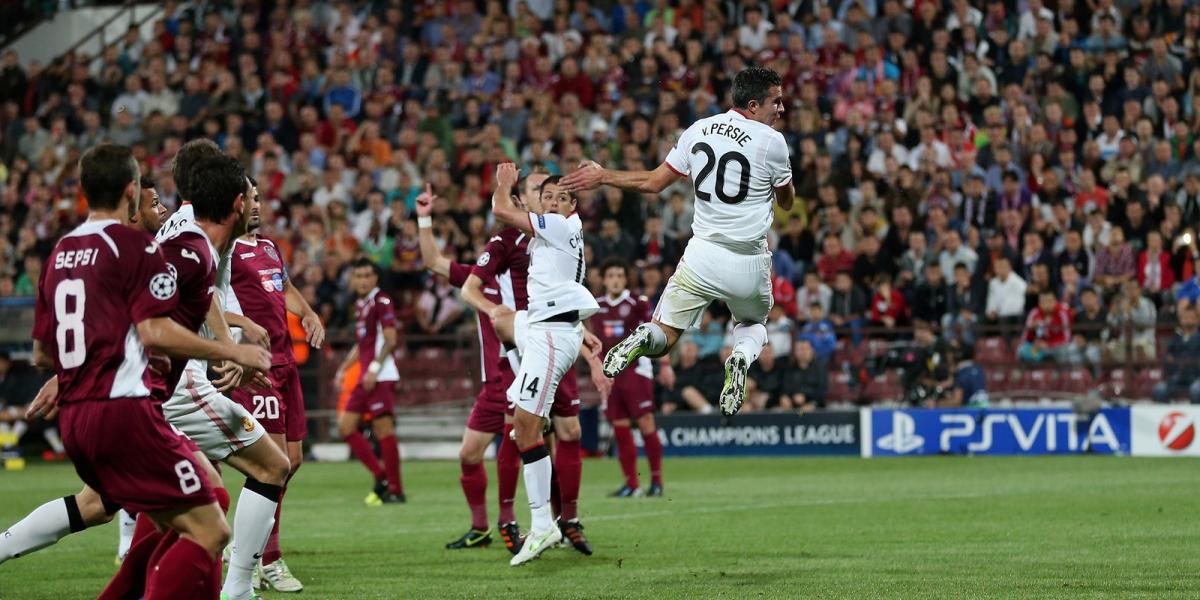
[903, 438]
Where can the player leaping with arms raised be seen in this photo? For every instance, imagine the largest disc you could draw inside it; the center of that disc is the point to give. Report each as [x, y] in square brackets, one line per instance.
[738, 164]
[551, 341]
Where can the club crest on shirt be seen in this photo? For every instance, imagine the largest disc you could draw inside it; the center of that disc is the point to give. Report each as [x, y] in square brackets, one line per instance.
[624, 310]
[483, 259]
[270, 250]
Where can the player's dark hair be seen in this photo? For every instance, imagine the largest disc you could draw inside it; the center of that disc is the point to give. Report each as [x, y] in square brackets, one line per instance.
[553, 180]
[364, 261]
[104, 172]
[147, 182]
[224, 180]
[614, 263]
[186, 158]
[752, 84]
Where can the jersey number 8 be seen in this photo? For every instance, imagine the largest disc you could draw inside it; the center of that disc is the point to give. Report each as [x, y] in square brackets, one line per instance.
[69, 333]
[721, 164]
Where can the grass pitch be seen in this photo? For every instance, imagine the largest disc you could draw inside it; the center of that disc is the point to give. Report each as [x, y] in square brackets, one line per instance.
[1056, 527]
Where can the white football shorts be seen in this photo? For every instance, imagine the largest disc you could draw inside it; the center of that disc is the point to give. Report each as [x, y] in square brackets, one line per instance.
[547, 351]
[217, 424]
[710, 272]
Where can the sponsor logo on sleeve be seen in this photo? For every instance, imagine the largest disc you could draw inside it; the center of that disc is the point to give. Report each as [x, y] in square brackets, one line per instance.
[483, 259]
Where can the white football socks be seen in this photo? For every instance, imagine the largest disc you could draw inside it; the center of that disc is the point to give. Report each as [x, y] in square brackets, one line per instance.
[43, 527]
[252, 524]
[537, 487]
[749, 340]
[658, 340]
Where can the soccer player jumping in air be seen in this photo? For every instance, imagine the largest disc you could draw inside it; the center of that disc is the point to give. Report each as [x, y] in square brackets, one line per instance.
[739, 165]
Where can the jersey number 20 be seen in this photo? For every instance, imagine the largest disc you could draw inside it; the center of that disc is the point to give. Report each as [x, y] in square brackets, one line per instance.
[720, 164]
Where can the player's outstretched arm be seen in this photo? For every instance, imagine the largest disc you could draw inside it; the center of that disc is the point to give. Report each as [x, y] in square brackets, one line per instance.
[502, 204]
[251, 332]
[430, 255]
[171, 338]
[591, 175]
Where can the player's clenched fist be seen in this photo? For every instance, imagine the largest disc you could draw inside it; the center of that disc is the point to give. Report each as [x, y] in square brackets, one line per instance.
[506, 175]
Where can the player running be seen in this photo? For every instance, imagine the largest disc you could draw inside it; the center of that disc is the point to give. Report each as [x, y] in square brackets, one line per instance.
[489, 414]
[632, 394]
[104, 299]
[260, 285]
[375, 392]
[551, 339]
[738, 164]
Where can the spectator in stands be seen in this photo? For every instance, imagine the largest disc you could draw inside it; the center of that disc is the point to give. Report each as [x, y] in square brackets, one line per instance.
[1181, 366]
[1154, 273]
[819, 332]
[955, 252]
[613, 242]
[1005, 297]
[1131, 319]
[1090, 322]
[970, 386]
[807, 381]
[814, 291]
[965, 303]
[695, 385]
[847, 306]
[438, 309]
[1115, 263]
[915, 260]
[764, 382]
[889, 311]
[709, 337]
[1074, 253]
[927, 380]
[931, 298]
[834, 259]
[1048, 332]
[780, 332]
[1189, 292]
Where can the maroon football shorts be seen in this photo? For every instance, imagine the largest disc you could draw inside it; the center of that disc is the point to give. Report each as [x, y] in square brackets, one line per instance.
[376, 403]
[125, 450]
[632, 396]
[280, 410]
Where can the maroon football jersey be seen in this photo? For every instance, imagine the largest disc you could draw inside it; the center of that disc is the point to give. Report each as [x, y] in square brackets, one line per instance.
[491, 352]
[192, 258]
[373, 313]
[617, 318]
[257, 277]
[99, 282]
[507, 252]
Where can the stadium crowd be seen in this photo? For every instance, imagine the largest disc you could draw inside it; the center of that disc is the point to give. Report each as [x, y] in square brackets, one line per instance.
[1016, 168]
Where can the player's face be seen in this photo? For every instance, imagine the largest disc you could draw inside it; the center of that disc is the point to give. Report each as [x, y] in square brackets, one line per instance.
[614, 281]
[771, 108]
[530, 192]
[249, 205]
[364, 280]
[255, 219]
[151, 212]
[556, 199]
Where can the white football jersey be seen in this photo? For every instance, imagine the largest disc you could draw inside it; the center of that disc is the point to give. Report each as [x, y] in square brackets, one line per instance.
[557, 269]
[735, 164]
[175, 223]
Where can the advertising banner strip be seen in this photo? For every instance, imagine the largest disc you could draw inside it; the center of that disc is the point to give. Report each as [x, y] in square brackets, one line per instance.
[1165, 430]
[971, 431]
[775, 434]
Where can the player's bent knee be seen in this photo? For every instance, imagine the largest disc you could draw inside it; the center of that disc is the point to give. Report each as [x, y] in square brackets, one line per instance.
[567, 429]
[646, 423]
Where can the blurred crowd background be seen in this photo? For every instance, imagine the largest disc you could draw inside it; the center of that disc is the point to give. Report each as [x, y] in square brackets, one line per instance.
[1005, 184]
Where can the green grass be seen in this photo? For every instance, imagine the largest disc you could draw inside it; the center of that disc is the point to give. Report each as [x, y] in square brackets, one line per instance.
[1063, 527]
